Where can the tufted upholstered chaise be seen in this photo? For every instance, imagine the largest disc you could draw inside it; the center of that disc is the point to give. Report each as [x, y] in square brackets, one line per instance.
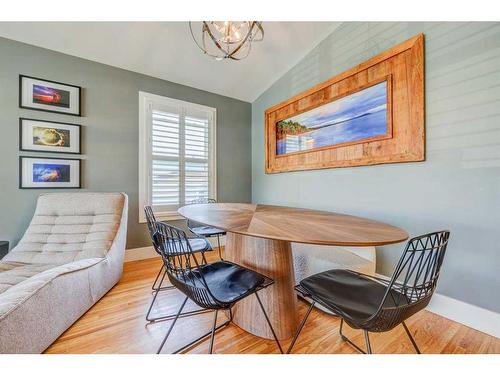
[70, 256]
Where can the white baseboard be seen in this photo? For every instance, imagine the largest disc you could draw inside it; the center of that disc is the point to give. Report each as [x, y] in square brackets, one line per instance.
[148, 252]
[140, 253]
[464, 313]
[469, 315]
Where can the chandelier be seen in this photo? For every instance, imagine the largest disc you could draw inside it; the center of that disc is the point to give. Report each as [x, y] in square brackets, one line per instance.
[227, 39]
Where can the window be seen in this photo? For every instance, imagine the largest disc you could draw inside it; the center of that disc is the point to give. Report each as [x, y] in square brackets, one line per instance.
[176, 154]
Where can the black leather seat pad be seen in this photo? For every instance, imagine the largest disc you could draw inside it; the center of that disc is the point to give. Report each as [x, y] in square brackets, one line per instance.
[197, 245]
[229, 282]
[349, 292]
[207, 231]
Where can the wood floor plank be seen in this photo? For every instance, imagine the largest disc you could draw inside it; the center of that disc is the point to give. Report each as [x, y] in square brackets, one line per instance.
[117, 324]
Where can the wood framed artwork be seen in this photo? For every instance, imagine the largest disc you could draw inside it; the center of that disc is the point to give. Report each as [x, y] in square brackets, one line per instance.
[370, 114]
[49, 136]
[49, 96]
[49, 173]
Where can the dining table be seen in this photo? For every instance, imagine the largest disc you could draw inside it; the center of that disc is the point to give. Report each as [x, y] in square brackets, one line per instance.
[259, 237]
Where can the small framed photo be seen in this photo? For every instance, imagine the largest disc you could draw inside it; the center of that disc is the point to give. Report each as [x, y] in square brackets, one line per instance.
[49, 136]
[49, 96]
[49, 173]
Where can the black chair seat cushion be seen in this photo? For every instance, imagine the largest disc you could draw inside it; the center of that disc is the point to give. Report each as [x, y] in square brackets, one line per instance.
[229, 282]
[347, 292]
[197, 245]
[207, 231]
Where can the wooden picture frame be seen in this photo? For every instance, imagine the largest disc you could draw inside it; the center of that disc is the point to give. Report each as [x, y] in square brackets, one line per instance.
[402, 68]
[29, 179]
[53, 96]
[71, 145]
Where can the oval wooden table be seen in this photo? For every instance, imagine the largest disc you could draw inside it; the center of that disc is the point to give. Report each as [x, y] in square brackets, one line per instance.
[259, 237]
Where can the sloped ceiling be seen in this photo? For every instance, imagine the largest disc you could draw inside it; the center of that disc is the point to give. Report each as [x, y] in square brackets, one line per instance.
[166, 50]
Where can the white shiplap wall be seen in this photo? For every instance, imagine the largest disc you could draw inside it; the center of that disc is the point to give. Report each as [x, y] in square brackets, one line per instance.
[457, 187]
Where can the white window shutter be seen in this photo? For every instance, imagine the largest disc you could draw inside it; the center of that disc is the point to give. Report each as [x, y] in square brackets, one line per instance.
[197, 184]
[165, 159]
[180, 149]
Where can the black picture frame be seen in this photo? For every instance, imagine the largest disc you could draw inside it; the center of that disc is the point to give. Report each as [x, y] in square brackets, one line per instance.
[21, 148]
[21, 76]
[49, 187]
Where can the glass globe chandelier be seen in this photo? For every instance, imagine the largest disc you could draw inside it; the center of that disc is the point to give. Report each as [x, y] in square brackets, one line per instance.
[227, 39]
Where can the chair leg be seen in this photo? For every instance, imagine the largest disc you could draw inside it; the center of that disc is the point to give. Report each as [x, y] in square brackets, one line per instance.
[226, 323]
[170, 316]
[367, 340]
[347, 339]
[157, 276]
[159, 287]
[269, 322]
[218, 243]
[411, 338]
[156, 291]
[165, 318]
[300, 327]
[212, 337]
[203, 259]
[172, 326]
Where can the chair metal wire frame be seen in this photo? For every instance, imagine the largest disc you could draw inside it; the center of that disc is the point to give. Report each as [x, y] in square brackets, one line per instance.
[419, 268]
[151, 222]
[184, 271]
[191, 223]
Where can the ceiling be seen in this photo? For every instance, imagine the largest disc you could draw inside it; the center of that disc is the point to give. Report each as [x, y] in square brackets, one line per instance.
[166, 50]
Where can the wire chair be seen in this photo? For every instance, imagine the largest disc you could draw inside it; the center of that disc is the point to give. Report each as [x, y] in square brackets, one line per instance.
[151, 222]
[205, 230]
[216, 286]
[374, 304]
[152, 228]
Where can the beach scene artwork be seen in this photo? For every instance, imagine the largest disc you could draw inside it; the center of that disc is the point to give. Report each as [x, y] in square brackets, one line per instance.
[355, 118]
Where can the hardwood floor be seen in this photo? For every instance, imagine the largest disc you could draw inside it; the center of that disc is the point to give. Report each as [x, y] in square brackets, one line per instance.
[116, 324]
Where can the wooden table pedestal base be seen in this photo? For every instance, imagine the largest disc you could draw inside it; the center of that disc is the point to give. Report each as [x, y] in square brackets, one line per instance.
[272, 258]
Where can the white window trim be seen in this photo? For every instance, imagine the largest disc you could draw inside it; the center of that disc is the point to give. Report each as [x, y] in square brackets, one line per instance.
[145, 155]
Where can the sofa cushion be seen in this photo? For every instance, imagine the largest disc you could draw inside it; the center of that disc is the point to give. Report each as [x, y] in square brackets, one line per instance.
[67, 227]
[25, 280]
[12, 273]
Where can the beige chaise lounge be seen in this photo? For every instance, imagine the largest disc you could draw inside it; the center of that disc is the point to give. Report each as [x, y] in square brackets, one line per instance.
[70, 256]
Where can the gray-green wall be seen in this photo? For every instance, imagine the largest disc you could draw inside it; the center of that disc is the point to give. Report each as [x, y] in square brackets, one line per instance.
[110, 132]
[457, 187]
